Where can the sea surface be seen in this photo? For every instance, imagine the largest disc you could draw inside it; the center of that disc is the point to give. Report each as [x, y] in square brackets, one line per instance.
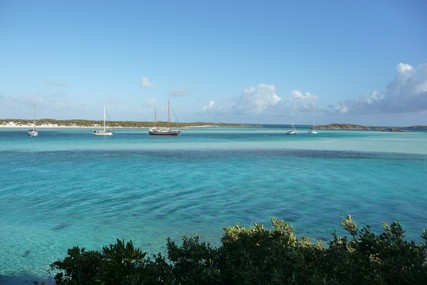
[69, 188]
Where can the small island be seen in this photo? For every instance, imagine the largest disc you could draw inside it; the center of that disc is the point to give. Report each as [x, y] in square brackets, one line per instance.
[78, 123]
[352, 127]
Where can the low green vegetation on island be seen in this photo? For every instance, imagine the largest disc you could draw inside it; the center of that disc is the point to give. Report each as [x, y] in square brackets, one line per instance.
[112, 124]
[256, 255]
[353, 127]
[342, 127]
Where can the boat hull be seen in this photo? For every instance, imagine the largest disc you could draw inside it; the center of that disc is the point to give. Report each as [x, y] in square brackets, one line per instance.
[163, 132]
[33, 133]
[292, 131]
[102, 133]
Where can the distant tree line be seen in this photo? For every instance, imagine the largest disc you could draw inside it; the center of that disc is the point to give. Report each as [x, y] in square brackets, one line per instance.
[111, 124]
[256, 255]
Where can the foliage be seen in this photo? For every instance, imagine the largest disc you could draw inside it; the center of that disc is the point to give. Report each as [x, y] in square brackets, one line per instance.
[79, 267]
[111, 124]
[377, 259]
[257, 255]
[194, 262]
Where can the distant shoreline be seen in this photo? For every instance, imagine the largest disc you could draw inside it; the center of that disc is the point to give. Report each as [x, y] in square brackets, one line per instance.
[53, 126]
[351, 127]
[90, 124]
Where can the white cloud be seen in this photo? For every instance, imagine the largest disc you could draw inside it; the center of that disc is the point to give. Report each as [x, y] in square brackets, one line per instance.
[262, 100]
[145, 83]
[210, 107]
[254, 100]
[407, 93]
[257, 99]
[302, 101]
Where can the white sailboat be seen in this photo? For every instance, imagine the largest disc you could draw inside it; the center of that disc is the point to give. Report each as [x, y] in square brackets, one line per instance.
[163, 131]
[32, 132]
[312, 130]
[292, 131]
[104, 131]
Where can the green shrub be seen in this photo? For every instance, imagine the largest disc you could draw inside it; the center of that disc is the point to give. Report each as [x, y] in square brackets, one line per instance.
[79, 267]
[257, 255]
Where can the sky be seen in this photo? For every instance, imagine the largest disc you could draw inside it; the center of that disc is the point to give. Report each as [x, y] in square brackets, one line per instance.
[220, 61]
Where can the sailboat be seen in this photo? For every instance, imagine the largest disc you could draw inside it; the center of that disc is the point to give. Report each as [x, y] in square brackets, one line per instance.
[32, 132]
[163, 131]
[104, 131]
[292, 131]
[312, 130]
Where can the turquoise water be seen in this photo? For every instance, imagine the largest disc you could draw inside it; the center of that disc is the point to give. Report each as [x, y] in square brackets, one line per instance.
[68, 187]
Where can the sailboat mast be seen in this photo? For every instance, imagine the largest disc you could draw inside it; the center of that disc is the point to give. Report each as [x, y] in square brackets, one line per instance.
[104, 119]
[155, 117]
[34, 117]
[169, 115]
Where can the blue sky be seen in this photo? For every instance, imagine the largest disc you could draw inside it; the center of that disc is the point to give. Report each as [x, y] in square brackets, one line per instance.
[280, 62]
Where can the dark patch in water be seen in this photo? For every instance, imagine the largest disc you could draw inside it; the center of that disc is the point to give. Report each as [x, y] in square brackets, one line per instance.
[61, 226]
[26, 253]
[204, 154]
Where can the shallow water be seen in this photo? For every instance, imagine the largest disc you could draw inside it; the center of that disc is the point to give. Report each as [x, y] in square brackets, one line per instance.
[68, 187]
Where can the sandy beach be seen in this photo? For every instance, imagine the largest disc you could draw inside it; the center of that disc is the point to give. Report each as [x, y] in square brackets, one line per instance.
[14, 125]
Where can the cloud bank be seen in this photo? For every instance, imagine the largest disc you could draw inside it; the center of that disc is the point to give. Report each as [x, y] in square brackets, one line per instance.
[257, 99]
[301, 102]
[263, 99]
[407, 93]
[254, 100]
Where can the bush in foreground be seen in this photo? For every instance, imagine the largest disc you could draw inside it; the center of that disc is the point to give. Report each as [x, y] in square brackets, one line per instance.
[256, 255]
